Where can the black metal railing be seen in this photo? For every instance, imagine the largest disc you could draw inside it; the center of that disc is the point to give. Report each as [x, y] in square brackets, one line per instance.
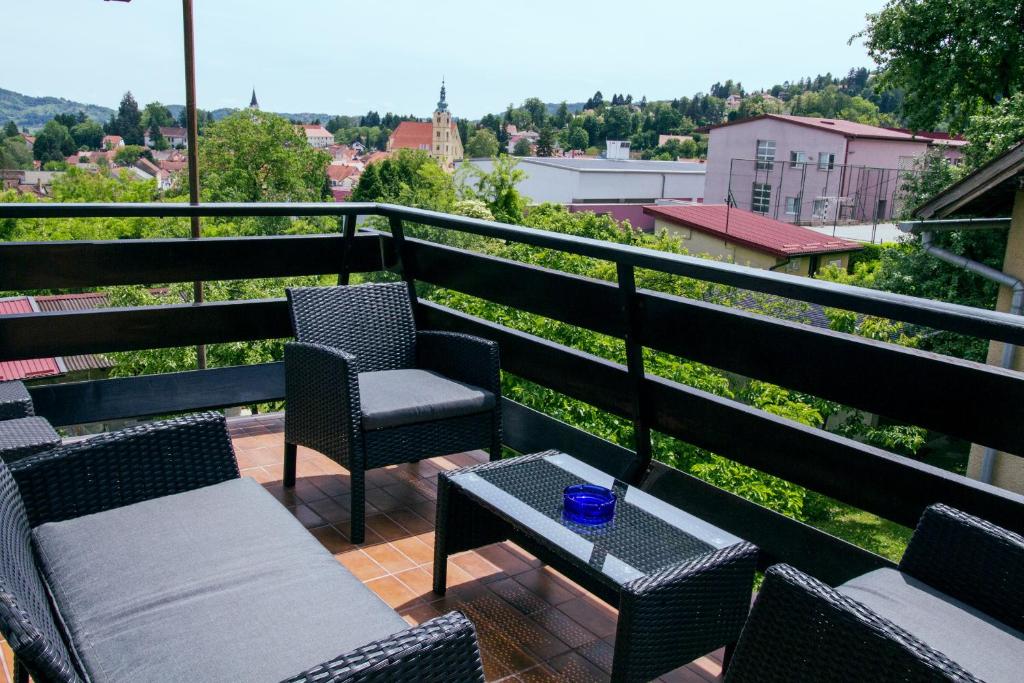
[979, 403]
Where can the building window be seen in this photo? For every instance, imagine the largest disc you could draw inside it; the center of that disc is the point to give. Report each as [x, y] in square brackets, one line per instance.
[826, 161]
[765, 155]
[794, 265]
[819, 208]
[836, 262]
[762, 198]
[797, 159]
[792, 205]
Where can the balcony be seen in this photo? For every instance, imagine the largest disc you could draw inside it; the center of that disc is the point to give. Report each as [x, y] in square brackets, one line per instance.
[534, 624]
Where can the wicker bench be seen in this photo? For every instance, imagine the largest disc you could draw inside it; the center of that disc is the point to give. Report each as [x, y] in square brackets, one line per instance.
[163, 564]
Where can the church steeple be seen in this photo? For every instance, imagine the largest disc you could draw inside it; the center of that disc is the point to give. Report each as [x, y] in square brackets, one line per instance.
[442, 105]
[253, 104]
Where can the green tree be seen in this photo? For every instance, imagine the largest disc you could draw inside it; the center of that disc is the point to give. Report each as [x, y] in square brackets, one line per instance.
[11, 130]
[482, 145]
[950, 57]
[537, 110]
[577, 138]
[994, 130]
[756, 106]
[156, 138]
[128, 122]
[14, 154]
[562, 115]
[88, 134]
[156, 114]
[618, 123]
[546, 142]
[497, 189]
[410, 178]
[54, 143]
[522, 148]
[129, 154]
[256, 156]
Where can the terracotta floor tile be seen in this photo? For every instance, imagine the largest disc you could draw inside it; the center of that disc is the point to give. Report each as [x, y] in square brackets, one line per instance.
[416, 550]
[563, 627]
[419, 613]
[308, 518]
[382, 500]
[419, 581]
[588, 613]
[575, 668]
[500, 556]
[388, 557]
[361, 565]
[333, 484]
[378, 478]
[599, 653]
[385, 527]
[391, 591]
[330, 510]
[541, 673]
[331, 539]
[518, 596]
[475, 564]
[548, 585]
[406, 493]
[685, 674]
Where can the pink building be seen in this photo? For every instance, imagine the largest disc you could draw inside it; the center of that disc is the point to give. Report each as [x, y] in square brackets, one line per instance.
[801, 169]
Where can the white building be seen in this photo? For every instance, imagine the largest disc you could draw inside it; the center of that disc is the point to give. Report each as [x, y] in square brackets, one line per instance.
[317, 136]
[606, 181]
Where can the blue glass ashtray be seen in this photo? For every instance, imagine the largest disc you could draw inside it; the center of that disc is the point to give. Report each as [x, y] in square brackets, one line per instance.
[589, 504]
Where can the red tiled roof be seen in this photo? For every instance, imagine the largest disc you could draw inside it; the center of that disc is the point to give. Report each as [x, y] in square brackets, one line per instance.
[375, 156]
[850, 129]
[415, 135]
[25, 369]
[172, 132]
[338, 172]
[752, 230]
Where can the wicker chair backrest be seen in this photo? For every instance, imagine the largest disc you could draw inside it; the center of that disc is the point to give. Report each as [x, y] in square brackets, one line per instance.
[373, 322]
[26, 619]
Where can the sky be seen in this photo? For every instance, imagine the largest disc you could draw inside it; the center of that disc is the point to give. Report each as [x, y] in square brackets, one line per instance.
[345, 57]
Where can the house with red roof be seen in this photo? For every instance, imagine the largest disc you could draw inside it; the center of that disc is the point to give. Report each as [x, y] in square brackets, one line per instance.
[803, 169]
[317, 136]
[112, 142]
[439, 137]
[750, 239]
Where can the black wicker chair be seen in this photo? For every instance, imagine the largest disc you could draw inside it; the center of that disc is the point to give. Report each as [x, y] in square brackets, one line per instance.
[78, 604]
[367, 390]
[15, 401]
[953, 612]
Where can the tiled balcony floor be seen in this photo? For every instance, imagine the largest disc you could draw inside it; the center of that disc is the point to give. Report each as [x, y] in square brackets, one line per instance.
[533, 624]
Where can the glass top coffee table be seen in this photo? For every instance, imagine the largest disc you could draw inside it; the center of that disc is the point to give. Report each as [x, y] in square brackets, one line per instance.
[682, 585]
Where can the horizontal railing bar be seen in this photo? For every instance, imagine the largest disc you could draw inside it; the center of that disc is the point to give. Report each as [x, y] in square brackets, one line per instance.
[937, 314]
[183, 210]
[79, 264]
[104, 400]
[38, 335]
[894, 381]
[892, 486]
[581, 301]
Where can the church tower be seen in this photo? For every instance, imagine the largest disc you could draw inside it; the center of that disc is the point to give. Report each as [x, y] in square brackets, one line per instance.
[442, 145]
[253, 104]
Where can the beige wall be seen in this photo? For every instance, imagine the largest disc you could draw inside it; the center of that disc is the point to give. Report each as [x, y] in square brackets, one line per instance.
[1009, 469]
[700, 243]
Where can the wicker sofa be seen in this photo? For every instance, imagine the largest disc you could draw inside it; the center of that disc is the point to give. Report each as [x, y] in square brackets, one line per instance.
[953, 611]
[366, 389]
[141, 555]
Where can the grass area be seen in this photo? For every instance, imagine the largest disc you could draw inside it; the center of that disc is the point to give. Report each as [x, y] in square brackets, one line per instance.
[864, 529]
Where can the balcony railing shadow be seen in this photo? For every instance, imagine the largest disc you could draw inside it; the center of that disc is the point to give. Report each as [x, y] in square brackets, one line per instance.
[978, 403]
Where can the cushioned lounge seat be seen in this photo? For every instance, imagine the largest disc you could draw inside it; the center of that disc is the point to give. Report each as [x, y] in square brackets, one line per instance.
[218, 583]
[392, 398]
[981, 645]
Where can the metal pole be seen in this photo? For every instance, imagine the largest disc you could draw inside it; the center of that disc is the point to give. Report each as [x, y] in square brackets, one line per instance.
[192, 133]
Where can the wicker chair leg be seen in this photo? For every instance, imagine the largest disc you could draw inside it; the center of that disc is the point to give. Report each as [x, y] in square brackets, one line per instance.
[290, 457]
[358, 501]
[495, 451]
[727, 657]
[20, 672]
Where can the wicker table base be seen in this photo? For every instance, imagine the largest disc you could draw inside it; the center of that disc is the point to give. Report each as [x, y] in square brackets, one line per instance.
[681, 585]
[24, 436]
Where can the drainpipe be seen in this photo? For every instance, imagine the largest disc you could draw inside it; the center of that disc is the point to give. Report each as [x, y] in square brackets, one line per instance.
[1016, 308]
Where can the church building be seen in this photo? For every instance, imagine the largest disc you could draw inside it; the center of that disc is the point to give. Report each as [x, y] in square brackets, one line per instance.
[439, 137]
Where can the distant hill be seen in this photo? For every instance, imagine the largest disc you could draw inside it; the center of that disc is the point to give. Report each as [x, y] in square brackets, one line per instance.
[574, 107]
[218, 114]
[33, 112]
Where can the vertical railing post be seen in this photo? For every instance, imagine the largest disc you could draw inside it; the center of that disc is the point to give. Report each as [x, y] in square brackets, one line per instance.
[635, 366]
[404, 265]
[348, 243]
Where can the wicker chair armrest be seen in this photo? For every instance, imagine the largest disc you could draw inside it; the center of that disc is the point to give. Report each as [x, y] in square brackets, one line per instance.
[15, 401]
[441, 650]
[124, 467]
[971, 560]
[461, 357]
[803, 630]
[322, 394]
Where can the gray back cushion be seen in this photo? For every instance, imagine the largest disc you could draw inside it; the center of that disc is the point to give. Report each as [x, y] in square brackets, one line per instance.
[372, 322]
[981, 645]
[219, 583]
[25, 616]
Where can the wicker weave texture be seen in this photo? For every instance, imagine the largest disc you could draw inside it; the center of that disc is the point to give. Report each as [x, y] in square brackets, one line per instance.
[25, 618]
[971, 560]
[24, 436]
[372, 322]
[125, 467]
[15, 401]
[802, 630]
[442, 650]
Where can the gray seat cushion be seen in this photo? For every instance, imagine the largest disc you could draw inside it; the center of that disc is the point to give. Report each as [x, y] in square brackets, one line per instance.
[981, 645]
[220, 583]
[392, 398]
